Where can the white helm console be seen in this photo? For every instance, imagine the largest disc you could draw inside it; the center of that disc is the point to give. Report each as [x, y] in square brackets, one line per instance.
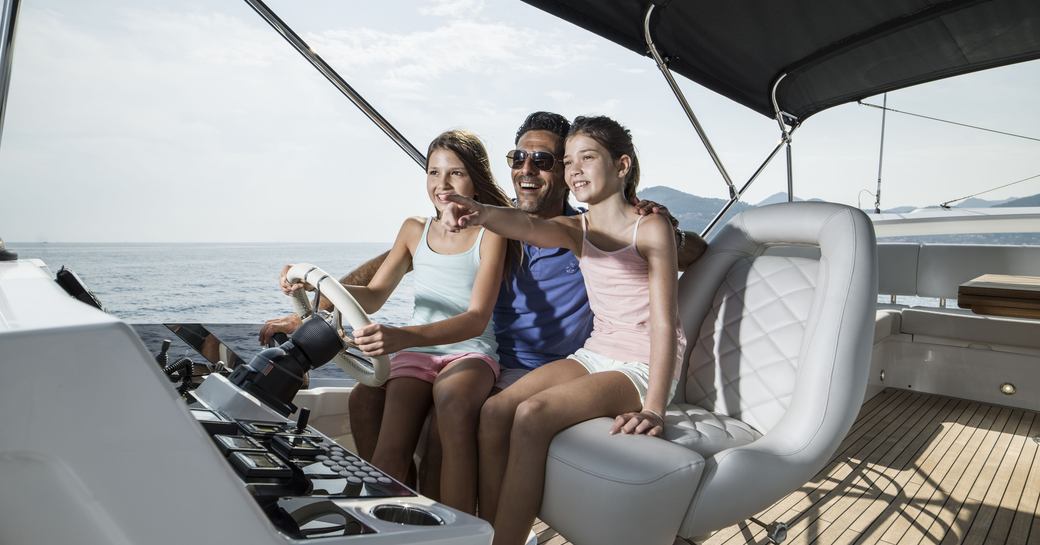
[101, 448]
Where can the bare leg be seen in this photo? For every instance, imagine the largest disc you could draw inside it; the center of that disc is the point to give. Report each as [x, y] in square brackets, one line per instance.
[536, 422]
[430, 465]
[458, 394]
[407, 402]
[366, 413]
[496, 421]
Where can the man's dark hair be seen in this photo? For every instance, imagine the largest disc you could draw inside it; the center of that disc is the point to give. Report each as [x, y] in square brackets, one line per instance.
[544, 121]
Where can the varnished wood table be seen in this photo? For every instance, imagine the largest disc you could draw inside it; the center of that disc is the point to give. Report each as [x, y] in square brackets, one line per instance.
[1001, 295]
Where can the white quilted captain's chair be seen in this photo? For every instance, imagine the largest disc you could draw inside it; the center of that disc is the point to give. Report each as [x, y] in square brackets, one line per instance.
[775, 373]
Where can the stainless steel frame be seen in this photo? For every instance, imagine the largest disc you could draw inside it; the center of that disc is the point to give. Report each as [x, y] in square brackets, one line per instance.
[8, 24]
[785, 140]
[294, 39]
[786, 136]
[662, 65]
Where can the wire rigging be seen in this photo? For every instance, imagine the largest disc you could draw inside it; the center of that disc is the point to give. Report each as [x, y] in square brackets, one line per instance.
[947, 203]
[886, 108]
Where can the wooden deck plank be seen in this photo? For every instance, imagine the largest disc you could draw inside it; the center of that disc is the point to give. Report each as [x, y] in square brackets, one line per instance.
[951, 463]
[1026, 514]
[884, 409]
[877, 476]
[956, 521]
[834, 476]
[915, 468]
[888, 445]
[892, 492]
[953, 484]
[1000, 529]
[909, 481]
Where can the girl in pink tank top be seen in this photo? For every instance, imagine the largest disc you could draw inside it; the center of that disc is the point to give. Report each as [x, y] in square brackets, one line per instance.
[627, 367]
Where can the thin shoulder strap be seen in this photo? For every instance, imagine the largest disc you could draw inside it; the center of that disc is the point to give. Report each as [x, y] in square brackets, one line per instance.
[636, 230]
[423, 242]
[584, 227]
[480, 236]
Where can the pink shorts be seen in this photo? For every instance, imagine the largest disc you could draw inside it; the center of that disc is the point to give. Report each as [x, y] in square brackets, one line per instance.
[426, 367]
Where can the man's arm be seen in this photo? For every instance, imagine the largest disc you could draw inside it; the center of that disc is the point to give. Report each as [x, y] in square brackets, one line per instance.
[690, 248]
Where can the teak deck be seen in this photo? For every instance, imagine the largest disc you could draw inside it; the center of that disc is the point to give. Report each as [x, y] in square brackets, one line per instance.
[914, 468]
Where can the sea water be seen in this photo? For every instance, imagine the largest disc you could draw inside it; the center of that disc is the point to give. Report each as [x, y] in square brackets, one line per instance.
[230, 287]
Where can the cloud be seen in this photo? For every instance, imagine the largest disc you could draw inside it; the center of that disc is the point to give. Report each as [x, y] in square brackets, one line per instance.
[452, 8]
[409, 61]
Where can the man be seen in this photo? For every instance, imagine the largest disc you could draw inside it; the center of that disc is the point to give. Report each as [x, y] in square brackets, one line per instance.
[542, 313]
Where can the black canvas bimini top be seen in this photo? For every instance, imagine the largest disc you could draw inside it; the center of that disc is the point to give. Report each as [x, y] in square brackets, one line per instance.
[834, 51]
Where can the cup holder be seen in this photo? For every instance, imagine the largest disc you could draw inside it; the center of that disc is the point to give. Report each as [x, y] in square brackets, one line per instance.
[406, 514]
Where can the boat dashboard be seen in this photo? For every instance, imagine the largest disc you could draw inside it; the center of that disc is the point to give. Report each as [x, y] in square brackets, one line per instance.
[99, 445]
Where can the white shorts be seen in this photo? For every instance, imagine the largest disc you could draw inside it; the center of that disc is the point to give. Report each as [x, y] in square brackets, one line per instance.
[508, 375]
[636, 371]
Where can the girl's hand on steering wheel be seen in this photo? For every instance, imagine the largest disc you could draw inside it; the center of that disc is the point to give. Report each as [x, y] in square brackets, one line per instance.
[381, 339]
[461, 212]
[645, 422]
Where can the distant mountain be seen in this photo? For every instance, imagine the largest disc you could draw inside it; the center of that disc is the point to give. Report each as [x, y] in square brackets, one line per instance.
[982, 203]
[781, 197]
[693, 212]
[1024, 201]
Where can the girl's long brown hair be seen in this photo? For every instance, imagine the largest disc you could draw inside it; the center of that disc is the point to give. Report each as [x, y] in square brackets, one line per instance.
[471, 151]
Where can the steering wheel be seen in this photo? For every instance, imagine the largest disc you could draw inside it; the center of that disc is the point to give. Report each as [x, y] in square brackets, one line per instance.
[368, 370]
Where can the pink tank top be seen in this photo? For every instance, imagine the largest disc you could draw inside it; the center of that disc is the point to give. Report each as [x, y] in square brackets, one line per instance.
[618, 284]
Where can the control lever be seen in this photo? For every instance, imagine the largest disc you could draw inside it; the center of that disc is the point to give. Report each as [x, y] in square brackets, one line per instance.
[163, 357]
[301, 421]
[277, 339]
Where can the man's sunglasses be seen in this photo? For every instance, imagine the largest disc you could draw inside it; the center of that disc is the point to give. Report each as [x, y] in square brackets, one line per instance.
[542, 159]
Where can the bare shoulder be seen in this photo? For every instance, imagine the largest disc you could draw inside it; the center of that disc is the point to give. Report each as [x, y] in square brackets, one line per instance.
[411, 231]
[655, 228]
[656, 237]
[491, 237]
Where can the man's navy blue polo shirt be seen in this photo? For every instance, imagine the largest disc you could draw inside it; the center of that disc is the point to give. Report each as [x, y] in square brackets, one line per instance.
[543, 313]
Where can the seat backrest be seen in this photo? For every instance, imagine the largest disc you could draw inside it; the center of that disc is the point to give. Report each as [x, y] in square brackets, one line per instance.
[768, 329]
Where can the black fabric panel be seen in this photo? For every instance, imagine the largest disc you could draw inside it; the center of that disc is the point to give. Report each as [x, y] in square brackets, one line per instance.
[833, 51]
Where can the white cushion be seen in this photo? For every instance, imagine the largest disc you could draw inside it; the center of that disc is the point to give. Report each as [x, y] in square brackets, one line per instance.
[621, 489]
[745, 357]
[705, 432]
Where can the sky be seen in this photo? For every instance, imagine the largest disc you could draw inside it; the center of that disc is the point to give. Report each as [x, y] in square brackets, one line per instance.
[193, 121]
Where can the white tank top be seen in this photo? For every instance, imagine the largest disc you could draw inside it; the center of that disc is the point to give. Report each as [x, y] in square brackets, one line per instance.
[443, 287]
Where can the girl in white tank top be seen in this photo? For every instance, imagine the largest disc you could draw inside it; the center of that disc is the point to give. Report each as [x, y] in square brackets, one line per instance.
[445, 357]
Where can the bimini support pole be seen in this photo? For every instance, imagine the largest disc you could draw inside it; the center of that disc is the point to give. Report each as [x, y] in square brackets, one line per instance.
[8, 23]
[662, 65]
[785, 141]
[333, 77]
[733, 200]
[785, 135]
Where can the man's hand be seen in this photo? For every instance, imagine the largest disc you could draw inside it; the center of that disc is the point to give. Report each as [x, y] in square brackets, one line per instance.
[644, 208]
[461, 212]
[645, 422]
[287, 287]
[380, 339]
[286, 324]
